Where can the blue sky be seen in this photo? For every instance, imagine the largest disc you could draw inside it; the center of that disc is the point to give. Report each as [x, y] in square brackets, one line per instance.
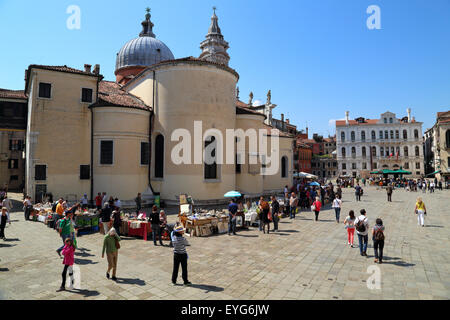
[317, 56]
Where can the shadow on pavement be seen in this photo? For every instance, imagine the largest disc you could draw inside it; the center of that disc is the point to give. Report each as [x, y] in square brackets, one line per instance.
[84, 261]
[85, 293]
[246, 235]
[7, 245]
[291, 231]
[136, 281]
[12, 239]
[84, 254]
[4, 269]
[206, 288]
[433, 226]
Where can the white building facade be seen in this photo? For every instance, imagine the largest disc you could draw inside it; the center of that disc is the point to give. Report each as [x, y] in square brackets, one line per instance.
[366, 145]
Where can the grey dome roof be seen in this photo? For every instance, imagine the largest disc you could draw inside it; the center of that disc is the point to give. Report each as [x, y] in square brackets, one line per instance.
[143, 51]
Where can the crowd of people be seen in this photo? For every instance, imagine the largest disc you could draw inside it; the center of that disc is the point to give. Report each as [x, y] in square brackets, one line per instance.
[269, 211]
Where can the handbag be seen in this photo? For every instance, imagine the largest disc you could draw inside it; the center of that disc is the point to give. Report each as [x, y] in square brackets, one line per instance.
[269, 216]
[117, 244]
[313, 207]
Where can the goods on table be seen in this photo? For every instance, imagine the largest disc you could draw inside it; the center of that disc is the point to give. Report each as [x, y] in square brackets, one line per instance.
[205, 223]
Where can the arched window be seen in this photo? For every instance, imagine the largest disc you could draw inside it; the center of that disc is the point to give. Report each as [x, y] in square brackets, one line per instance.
[382, 151]
[374, 151]
[284, 166]
[159, 156]
[374, 137]
[405, 134]
[397, 134]
[353, 151]
[397, 152]
[447, 138]
[416, 134]
[381, 135]
[405, 151]
[363, 135]
[386, 135]
[392, 134]
[210, 165]
[391, 120]
[363, 151]
[343, 152]
[417, 151]
[342, 136]
[353, 135]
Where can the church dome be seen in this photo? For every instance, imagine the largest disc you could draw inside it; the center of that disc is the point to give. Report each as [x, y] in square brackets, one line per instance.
[145, 50]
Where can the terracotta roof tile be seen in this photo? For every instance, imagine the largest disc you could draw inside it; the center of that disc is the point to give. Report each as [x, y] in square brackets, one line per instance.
[354, 122]
[12, 94]
[111, 94]
[281, 134]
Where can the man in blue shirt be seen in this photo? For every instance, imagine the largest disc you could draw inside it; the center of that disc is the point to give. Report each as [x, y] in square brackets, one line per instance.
[233, 208]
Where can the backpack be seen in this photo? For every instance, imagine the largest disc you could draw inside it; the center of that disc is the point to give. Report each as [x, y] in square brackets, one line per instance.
[379, 235]
[360, 227]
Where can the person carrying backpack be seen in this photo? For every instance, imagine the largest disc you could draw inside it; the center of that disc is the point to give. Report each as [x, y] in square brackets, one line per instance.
[362, 230]
[378, 240]
[65, 230]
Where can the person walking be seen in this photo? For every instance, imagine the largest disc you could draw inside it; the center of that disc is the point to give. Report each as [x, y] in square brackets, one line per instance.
[389, 193]
[232, 208]
[4, 218]
[179, 255]
[28, 206]
[316, 206]
[155, 222]
[106, 217]
[275, 213]
[358, 192]
[65, 230]
[337, 205]
[7, 203]
[421, 211]
[104, 199]
[349, 223]
[265, 210]
[111, 246]
[117, 221]
[339, 192]
[378, 240]
[293, 202]
[68, 252]
[138, 201]
[362, 229]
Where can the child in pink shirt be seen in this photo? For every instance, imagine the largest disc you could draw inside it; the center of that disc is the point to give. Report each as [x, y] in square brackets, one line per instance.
[68, 253]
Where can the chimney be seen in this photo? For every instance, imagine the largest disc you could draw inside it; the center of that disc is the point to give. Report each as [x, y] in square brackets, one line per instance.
[307, 136]
[287, 121]
[282, 117]
[97, 69]
[347, 115]
[409, 114]
[87, 68]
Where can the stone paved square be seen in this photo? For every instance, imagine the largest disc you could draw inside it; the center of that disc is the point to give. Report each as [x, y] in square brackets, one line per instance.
[304, 260]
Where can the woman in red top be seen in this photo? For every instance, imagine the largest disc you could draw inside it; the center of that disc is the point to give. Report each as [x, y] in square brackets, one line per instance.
[318, 205]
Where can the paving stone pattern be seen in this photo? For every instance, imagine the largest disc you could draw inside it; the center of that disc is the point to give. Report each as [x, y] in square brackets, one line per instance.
[304, 260]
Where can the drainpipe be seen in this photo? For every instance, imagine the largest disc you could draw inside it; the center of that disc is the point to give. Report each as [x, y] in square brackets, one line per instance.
[92, 144]
[150, 127]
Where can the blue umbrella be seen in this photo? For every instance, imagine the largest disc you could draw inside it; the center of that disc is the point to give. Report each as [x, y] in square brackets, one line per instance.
[315, 184]
[232, 194]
